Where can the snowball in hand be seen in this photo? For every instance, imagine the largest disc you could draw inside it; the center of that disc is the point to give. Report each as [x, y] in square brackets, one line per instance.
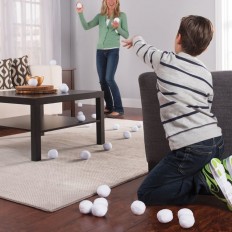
[103, 190]
[116, 20]
[138, 207]
[85, 155]
[99, 210]
[107, 146]
[32, 82]
[186, 218]
[64, 88]
[52, 154]
[85, 206]
[165, 215]
[79, 5]
[127, 134]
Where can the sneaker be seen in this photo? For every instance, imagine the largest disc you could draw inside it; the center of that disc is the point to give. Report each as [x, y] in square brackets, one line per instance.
[227, 163]
[216, 179]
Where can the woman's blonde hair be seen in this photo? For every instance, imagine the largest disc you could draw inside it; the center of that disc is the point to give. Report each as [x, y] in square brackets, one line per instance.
[104, 8]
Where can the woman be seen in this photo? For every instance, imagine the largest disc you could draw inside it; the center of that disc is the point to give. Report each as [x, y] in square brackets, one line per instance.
[112, 24]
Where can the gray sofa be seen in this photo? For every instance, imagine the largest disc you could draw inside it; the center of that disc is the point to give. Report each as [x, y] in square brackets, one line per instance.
[156, 145]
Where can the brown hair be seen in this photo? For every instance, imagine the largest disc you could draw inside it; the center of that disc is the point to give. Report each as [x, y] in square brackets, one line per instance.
[196, 33]
[104, 9]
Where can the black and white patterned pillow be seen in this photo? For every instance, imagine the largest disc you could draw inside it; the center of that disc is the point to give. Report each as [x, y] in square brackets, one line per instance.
[19, 71]
[5, 74]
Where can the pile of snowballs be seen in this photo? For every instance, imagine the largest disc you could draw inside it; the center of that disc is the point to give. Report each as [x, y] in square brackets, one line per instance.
[99, 208]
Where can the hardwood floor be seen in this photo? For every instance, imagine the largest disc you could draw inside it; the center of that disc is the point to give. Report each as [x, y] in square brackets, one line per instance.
[210, 214]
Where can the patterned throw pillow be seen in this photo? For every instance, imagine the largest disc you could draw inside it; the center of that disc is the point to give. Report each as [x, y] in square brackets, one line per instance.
[19, 71]
[5, 74]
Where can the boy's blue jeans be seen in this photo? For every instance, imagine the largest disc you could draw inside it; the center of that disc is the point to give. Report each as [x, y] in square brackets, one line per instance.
[107, 62]
[177, 178]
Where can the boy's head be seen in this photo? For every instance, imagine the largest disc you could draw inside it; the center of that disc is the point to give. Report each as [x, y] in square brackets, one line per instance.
[194, 34]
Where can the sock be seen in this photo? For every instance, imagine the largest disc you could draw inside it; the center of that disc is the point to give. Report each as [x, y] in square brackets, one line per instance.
[216, 179]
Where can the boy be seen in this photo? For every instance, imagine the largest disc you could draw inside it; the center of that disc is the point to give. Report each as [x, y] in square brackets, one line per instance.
[185, 93]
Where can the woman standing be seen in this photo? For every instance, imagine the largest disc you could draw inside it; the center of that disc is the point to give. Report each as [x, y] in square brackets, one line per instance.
[112, 24]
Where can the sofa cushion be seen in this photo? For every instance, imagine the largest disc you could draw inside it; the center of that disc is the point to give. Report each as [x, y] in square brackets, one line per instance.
[5, 74]
[19, 71]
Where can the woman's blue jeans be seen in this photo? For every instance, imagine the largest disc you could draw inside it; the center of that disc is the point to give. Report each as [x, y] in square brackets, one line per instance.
[177, 179]
[107, 62]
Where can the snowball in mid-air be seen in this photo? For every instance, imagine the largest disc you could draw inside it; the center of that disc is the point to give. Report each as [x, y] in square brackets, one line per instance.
[103, 190]
[138, 207]
[52, 154]
[85, 155]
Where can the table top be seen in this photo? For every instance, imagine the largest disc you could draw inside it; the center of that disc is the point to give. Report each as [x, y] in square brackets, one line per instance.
[28, 99]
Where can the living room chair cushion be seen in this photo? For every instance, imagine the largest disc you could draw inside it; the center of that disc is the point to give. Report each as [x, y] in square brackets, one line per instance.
[19, 71]
[5, 74]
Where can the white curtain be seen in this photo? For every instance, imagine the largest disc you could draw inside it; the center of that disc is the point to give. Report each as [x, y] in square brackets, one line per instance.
[223, 31]
[30, 27]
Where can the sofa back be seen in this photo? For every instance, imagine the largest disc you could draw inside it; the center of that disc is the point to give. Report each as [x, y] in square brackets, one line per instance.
[156, 145]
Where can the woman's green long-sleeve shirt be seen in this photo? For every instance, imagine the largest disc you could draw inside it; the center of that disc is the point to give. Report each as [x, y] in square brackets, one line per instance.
[108, 36]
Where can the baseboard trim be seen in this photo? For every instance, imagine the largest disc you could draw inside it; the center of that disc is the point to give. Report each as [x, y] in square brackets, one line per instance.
[127, 102]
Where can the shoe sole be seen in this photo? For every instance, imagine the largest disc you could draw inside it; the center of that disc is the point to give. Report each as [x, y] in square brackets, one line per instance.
[228, 165]
[219, 175]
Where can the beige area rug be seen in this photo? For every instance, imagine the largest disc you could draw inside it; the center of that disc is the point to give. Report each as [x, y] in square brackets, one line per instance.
[52, 184]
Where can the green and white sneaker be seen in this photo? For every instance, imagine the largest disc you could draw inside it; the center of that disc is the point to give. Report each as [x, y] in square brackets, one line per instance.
[217, 181]
[227, 163]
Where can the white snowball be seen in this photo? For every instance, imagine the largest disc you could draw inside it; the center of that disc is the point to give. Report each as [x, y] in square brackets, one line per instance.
[94, 116]
[101, 200]
[127, 134]
[138, 207]
[139, 124]
[116, 20]
[186, 221]
[99, 210]
[116, 126]
[64, 88]
[52, 62]
[52, 154]
[134, 128]
[80, 113]
[184, 211]
[165, 215]
[79, 104]
[107, 146]
[79, 5]
[32, 82]
[85, 155]
[81, 118]
[103, 190]
[85, 206]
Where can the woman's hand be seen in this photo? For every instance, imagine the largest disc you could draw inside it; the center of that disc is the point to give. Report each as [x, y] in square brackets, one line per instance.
[115, 24]
[128, 43]
[80, 10]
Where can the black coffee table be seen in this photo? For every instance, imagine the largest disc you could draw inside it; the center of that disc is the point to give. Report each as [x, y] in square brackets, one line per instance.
[38, 123]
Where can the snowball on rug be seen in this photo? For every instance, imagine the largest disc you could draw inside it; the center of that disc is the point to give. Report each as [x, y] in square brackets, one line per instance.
[127, 134]
[107, 146]
[138, 207]
[85, 155]
[52, 154]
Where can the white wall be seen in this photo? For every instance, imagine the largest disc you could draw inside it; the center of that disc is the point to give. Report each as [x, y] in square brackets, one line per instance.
[156, 21]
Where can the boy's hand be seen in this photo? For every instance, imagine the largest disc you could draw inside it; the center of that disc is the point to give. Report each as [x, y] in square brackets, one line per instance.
[128, 43]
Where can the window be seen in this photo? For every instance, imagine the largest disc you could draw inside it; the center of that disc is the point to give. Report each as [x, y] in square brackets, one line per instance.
[223, 31]
[27, 28]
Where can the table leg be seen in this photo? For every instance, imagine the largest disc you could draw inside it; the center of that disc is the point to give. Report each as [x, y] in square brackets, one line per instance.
[36, 122]
[100, 125]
